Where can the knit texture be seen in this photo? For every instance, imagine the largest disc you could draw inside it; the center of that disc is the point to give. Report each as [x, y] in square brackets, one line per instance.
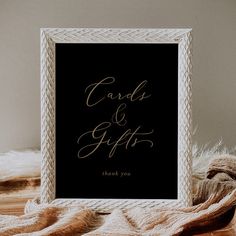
[214, 194]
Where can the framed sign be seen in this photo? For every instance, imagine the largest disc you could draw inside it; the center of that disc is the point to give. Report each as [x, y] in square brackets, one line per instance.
[116, 117]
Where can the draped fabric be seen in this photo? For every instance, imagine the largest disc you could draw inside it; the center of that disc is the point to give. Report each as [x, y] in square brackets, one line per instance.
[214, 196]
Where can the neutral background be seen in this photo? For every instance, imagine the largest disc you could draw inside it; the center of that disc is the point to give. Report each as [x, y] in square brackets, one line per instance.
[214, 58]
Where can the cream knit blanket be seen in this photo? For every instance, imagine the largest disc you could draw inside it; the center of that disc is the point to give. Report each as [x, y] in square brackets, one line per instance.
[214, 194]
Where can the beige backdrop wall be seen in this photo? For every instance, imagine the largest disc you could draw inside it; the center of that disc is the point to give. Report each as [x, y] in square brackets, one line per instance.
[214, 80]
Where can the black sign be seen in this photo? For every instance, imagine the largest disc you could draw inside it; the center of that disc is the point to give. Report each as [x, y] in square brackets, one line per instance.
[117, 120]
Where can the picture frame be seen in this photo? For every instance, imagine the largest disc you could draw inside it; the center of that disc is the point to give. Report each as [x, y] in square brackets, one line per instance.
[82, 41]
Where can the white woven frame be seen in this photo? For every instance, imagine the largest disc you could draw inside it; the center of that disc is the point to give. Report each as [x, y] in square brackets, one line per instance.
[51, 36]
